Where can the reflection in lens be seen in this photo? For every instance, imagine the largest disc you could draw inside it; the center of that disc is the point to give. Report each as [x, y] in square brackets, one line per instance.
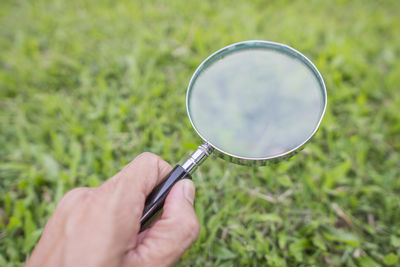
[256, 102]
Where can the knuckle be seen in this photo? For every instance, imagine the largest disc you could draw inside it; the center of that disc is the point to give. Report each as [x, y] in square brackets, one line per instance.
[138, 161]
[149, 156]
[151, 159]
[74, 193]
[145, 159]
[73, 196]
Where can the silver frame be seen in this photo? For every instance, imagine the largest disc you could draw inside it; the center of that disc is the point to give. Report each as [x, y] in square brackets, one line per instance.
[255, 161]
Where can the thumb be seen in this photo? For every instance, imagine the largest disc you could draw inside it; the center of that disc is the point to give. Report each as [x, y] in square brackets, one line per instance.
[170, 236]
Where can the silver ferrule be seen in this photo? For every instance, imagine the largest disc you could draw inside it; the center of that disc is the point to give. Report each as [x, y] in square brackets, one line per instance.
[201, 153]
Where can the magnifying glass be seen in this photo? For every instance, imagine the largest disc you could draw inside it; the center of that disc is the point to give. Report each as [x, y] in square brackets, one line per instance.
[252, 103]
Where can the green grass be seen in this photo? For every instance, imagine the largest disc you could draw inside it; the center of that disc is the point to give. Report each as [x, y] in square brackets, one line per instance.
[85, 86]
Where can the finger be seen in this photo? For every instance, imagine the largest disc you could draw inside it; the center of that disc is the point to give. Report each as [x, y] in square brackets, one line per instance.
[123, 196]
[136, 180]
[146, 171]
[177, 229]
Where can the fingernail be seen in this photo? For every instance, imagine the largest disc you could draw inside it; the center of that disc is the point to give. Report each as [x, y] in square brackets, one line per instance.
[188, 190]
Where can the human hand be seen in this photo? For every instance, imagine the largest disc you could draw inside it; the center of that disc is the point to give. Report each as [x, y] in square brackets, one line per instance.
[100, 226]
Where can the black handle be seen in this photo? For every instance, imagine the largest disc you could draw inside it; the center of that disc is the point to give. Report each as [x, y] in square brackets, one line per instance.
[155, 201]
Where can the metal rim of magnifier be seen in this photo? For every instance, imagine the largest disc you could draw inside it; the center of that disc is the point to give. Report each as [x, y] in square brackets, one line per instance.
[255, 44]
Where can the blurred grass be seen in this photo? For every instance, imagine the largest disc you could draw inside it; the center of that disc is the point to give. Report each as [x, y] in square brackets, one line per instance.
[85, 86]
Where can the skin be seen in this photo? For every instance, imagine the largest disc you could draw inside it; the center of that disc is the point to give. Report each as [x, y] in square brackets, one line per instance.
[100, 226]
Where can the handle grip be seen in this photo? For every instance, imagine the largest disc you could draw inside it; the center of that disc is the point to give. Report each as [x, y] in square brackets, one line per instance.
[155, 201]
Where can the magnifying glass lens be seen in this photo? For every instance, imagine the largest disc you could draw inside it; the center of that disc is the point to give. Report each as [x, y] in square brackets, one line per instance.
[256, 102]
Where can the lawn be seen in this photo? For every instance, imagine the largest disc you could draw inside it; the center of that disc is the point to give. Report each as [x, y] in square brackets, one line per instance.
[85, 86]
